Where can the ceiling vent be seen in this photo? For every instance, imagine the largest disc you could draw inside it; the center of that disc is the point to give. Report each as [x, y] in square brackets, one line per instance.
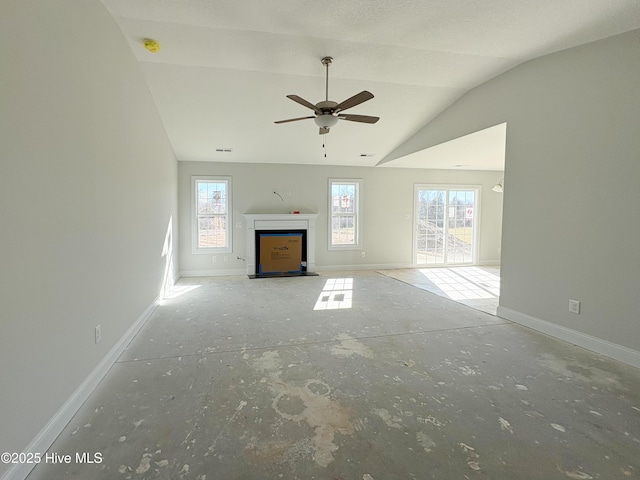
[224, 150]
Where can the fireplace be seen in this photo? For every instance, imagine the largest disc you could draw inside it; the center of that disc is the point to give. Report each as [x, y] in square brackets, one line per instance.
[281, 252]
[289, 237]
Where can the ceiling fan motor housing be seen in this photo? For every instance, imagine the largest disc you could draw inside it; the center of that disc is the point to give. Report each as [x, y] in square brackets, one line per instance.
[326, 106]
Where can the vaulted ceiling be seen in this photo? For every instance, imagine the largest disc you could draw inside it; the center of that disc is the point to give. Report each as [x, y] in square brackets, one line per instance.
[224, 69]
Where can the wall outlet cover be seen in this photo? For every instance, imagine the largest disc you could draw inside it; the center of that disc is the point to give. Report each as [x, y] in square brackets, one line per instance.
[574, 306]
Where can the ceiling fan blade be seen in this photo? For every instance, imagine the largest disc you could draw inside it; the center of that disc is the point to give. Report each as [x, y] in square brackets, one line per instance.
[357, 99]
[304, 102]
[323, 130]
[293, 119]
[358, 118]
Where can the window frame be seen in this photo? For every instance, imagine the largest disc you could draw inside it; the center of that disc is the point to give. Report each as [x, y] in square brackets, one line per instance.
[195, 248]
[357, 214]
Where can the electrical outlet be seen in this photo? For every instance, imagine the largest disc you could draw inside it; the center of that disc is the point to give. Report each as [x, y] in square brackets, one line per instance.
[574, 306]
[98, 333]
[362, 254]
[214, 259]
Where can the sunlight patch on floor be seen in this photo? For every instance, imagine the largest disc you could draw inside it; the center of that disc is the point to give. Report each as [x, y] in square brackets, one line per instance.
[464, 283]
[337, 293]
[177, 291]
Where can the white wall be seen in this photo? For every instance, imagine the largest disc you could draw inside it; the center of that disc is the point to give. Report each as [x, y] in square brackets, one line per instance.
[88, 188]
[387, 196]
[571, 198]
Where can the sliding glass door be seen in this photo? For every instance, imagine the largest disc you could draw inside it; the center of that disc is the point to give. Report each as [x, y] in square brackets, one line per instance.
[445, 225]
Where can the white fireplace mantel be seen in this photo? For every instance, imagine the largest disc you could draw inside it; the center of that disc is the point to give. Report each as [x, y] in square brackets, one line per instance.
[280, 221]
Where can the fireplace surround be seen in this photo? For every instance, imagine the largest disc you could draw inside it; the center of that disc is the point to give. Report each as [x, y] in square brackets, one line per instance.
[257, 223]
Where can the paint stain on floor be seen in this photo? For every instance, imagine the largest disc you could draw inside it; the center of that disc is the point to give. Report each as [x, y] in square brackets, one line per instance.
[310, 403]
[349, 346]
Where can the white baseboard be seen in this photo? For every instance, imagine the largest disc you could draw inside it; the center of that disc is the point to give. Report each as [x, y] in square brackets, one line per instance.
[318, 268]
[213, 273]
[368, 266]
[489, 263]
[325, 268]
[45, 438]
[597, 345]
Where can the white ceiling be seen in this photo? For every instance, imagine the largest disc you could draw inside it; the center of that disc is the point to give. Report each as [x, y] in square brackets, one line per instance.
[224, 69]
[483, 150]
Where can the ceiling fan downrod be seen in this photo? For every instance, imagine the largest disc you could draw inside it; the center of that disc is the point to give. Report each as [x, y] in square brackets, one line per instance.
[326, 61]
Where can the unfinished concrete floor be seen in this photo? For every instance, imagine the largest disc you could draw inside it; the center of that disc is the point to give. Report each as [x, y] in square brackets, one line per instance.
[244, 379]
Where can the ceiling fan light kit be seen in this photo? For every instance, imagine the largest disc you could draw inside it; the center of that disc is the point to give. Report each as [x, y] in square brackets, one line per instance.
[327, 112]
[326, 120]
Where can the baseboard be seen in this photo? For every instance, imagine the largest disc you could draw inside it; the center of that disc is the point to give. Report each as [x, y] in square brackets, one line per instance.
[597, 345]
[325, 268]
[318, 268]
[489, 263]
[368, 266]
[213, 273]
[45, 438]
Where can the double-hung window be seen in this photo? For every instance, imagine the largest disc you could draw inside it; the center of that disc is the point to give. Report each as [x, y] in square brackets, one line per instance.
[211, 214]
[344, 213]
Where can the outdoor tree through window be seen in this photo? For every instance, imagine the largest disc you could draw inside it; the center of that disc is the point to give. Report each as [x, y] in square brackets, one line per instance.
[344, 205]
[212, 201]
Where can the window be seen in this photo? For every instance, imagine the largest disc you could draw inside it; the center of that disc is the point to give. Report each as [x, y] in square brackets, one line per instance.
[211, 214]
[344, 218]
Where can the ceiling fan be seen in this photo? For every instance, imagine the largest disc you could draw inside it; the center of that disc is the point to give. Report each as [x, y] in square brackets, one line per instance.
[327, 113]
